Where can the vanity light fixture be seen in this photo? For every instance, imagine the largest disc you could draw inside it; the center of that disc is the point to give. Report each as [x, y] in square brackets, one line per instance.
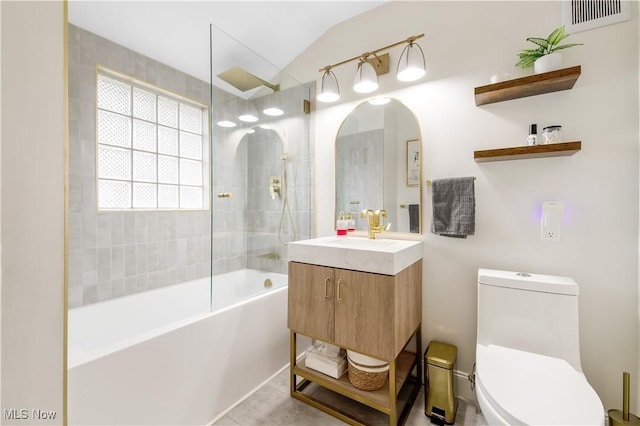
[411, 67]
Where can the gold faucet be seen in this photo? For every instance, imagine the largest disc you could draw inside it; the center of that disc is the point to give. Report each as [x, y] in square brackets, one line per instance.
[374, 221]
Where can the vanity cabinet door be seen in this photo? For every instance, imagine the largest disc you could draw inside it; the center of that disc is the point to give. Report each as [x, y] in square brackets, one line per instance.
[364, 315]
[311, 300]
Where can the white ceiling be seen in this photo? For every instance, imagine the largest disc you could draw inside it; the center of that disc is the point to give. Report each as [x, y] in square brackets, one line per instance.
[177, 33]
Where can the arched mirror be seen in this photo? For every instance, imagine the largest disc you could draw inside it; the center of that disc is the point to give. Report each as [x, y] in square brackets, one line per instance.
[378, 165]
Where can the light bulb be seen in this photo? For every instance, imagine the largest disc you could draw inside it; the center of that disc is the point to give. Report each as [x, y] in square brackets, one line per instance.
[366, 80]
[411, 65]
[329, 90]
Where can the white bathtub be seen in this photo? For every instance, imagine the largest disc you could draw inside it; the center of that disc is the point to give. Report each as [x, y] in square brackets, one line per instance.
[160, 357]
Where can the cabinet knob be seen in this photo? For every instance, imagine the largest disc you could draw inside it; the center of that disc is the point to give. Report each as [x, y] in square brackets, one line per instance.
[338, 290]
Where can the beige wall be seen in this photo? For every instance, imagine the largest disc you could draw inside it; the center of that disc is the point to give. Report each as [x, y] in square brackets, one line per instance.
[465, 43]
[32, 199]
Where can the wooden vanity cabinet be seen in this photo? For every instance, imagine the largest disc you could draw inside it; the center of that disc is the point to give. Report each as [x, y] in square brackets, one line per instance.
[370, 313]
[311, 301]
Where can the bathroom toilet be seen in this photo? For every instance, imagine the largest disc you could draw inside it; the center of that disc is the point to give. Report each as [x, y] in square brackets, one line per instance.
[528, 369]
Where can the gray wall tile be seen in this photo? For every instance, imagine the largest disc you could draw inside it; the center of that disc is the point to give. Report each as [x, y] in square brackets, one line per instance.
[141, 259]
[142, 233]
[117, 262]
[130, 260]
[103, 230]
[130, 286]
[104, 291]
[117, 287]
[104, 265]
[89, 267]
[117, 228]
[89, 294]
[152, 257]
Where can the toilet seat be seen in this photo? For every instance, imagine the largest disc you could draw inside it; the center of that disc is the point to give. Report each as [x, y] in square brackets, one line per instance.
[530, 389]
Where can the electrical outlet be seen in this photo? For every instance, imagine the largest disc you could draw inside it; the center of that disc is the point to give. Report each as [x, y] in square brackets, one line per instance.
[552, 212]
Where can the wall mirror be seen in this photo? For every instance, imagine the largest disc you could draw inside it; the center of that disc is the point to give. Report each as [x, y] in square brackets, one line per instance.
[377, 163]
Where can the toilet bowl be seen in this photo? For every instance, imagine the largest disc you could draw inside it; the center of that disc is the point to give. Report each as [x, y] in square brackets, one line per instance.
[528, 369]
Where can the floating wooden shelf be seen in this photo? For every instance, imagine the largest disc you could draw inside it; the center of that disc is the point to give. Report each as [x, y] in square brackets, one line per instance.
[521, 152]
[537, 84]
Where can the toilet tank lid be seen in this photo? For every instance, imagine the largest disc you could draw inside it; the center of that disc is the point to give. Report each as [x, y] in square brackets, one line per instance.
[527, 281]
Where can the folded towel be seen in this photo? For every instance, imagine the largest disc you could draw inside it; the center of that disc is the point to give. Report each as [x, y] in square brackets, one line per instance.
[414, 218]
[454, 206]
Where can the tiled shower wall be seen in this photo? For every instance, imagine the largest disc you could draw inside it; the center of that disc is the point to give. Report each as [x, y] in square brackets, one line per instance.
[112, 254]
[246, 226]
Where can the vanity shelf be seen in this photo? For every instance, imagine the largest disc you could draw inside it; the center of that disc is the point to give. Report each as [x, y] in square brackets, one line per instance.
[563, 149]
[537, 84]
[378, 399]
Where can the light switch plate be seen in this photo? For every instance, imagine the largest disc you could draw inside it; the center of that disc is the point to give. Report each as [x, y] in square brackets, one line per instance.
[552, 212]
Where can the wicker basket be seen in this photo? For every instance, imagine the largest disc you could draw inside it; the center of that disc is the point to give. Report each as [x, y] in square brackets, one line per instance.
[367, 378]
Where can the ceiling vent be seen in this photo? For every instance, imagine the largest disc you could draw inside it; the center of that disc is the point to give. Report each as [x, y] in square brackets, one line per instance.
[582, 15]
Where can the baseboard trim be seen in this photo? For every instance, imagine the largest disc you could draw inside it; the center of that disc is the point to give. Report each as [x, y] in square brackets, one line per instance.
[463, 386]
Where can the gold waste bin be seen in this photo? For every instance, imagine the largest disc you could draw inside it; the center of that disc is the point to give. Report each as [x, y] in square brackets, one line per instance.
[440, 401]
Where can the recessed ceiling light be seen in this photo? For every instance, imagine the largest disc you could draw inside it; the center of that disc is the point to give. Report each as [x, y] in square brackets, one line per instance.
[226, 123]
[273, 111]
[248, 118]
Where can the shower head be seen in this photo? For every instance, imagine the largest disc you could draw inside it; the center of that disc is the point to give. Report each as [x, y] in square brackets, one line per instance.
[243, 80]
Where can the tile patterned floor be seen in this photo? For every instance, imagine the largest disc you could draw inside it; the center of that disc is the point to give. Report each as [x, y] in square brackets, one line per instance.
[273, 406]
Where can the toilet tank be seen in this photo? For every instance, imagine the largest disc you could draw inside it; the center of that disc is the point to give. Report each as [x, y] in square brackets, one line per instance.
[529, 312]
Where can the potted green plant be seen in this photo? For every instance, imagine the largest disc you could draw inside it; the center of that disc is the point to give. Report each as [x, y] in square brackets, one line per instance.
[545, 57]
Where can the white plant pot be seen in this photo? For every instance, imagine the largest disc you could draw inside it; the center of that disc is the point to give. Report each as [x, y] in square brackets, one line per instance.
[548, 63]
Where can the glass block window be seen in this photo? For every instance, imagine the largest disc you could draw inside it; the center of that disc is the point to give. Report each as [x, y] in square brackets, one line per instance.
[152, 147]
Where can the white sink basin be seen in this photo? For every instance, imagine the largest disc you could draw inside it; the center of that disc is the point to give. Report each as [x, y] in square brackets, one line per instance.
[380, 256]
